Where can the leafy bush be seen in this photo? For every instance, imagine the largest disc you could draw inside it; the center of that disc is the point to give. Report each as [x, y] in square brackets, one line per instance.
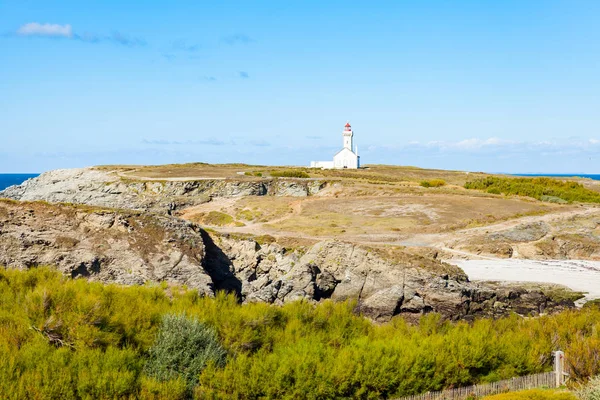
[591, 390]
[433, 183]
[183, 348]
[214, 218]
[534, 394]
[290, 173]
[253, 173]
[297, 350]
[552, 199]
[545, 189]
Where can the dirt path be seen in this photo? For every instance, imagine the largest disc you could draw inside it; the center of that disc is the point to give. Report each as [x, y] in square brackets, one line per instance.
[254, 228]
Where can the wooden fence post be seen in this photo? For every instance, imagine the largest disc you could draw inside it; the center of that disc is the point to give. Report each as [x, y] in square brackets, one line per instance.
[559, 367]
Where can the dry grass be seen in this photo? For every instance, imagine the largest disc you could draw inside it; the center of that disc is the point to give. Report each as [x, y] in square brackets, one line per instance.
[391, 173]
[408, 214]
[371, 173]
[399, 255]
[215, 218]
[263, 209]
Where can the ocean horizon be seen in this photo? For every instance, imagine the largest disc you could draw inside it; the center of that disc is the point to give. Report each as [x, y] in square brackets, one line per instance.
[595, 177]
[7, 180]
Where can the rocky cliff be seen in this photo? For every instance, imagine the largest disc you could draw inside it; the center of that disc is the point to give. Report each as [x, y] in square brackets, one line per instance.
[105, 188]
[128, 247]
[101, 244]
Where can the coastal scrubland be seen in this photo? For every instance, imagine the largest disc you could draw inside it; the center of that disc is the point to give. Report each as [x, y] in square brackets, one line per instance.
[74, 339]
[545, 189]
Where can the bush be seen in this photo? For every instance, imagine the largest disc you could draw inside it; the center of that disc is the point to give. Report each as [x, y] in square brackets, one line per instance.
[216, 218]
[433, 183]
[545, 189]
[553, 199]
[534, 394]
[290, 173]
[296, 350]
[591, 390]
[183, 348]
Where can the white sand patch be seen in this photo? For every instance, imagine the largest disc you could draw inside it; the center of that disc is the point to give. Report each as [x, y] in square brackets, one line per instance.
[579, 275]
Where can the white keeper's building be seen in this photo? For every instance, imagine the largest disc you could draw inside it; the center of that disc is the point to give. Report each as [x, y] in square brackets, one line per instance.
[346, 157]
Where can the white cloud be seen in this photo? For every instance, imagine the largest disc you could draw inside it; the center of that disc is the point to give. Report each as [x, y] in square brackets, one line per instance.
[53, 30]
[493, 147]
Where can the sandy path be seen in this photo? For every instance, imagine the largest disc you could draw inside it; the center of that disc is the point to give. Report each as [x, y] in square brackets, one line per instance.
[579, 275]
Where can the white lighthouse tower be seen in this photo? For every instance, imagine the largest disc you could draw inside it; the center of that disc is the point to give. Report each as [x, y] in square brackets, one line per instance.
[346, 157]
[347, 134]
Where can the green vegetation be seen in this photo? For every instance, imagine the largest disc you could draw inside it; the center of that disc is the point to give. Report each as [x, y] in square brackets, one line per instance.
[253, 173]
[289, 173]
[548, 189]
[216, 218]
[183, 348]
[590, 390]
[72, 339]
[433, 183]
[534, 394]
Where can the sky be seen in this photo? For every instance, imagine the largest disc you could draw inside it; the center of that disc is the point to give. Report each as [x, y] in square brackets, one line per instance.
[497, 86]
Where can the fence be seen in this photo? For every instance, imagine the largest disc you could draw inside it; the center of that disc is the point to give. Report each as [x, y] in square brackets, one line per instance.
[552, 379]
[546, 379]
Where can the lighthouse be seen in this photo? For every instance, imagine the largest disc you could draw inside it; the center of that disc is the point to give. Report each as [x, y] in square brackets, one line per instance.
[348, 136]
[347, 157]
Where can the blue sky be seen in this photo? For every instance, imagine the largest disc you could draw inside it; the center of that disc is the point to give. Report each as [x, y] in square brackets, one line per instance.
[498, 86]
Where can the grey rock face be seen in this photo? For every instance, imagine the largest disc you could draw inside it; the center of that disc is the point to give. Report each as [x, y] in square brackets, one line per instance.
[106, 189]
[103, 245]
[408, 285]
[523, 233]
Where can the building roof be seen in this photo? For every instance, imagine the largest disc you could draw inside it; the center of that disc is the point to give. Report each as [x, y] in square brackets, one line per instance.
[345, 148]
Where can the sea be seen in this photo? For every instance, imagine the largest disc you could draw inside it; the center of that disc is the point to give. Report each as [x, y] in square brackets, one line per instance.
[589, 176]
[7, 180]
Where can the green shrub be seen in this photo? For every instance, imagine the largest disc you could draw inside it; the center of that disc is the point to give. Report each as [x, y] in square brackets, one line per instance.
[217, 218]
[591, 390]
[534, 394]
[553, 199]
[290, 173]
[433, 183]
[183, 348]
[175, 389]
[253, 173]
[545, 189]
[297, 350]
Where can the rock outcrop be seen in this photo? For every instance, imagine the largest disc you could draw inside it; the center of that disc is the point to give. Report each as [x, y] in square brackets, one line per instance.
[382, 282]
[104, 245]
[129, 247]
[105, 188]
